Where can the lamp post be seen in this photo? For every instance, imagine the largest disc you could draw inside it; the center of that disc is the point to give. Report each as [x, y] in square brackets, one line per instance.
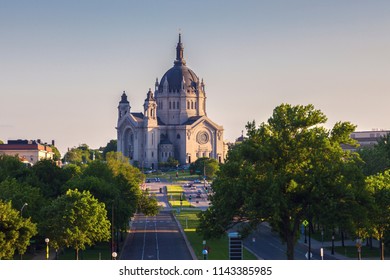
[21, 215]
[47, 247]
[333, 243]
[21, 210]
[114, 255]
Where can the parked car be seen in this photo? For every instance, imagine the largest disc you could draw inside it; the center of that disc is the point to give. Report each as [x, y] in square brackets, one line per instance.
[196, 181]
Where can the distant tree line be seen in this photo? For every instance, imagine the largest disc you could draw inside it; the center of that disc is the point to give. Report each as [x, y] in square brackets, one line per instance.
[74, 206]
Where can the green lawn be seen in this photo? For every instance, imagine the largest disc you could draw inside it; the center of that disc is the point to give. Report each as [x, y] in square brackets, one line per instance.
[100, 251]
[218, 248]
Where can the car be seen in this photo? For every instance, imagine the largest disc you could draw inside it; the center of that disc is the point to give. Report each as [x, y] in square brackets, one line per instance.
[187, 185]
[157, 179]
[196, 181]
[198, 195]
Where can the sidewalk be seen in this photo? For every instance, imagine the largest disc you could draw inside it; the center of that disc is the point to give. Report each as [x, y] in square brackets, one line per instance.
[317, 245]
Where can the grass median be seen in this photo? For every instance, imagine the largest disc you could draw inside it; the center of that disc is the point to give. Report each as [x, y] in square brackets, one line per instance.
[218, 248]
[176, 196]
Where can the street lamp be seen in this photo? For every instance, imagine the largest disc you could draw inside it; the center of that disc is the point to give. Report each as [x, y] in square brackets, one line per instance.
[47, 247]
[21, 215]
[21, 210]
[333, 243]
[114, 255]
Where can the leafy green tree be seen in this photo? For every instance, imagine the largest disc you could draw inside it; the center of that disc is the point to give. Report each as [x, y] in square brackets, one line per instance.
[205, 166]
[379, 188]
[110, 147]
[76, 219]
[15, 233]
[148, 204]
[57, 154]
[20, 193]
[1, 142]
[285, 171]
[377, 157]
[11, 167]
[81, 155]
[49, 178]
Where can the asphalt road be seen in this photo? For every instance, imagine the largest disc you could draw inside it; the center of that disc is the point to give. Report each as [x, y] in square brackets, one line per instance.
[155, 238]
[268, 246]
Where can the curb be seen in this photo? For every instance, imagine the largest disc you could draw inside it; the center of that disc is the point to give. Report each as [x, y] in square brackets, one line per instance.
[193, 255]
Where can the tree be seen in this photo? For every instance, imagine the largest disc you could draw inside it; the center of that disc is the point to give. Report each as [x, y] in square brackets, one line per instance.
[50, 178]
[11, 167]
[76, 219]
[110, 147]
[148, 204]
[82, 155]
[377, 157]
[283, 173]
[379, 188]
[20, 193]
[205, 166]
[15, 233]
[57, 154]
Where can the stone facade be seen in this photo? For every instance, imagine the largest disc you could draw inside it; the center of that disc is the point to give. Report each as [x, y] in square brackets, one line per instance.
[174, 122]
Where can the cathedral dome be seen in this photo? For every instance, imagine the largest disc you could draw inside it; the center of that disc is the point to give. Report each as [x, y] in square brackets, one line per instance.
[176, 75]
[179, 73]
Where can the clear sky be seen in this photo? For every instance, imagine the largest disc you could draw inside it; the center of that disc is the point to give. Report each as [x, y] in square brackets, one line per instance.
[64, 64]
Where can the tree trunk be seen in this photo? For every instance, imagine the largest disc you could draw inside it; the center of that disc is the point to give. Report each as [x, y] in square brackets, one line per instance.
[290, 247]
[76, 251]
[382, 246]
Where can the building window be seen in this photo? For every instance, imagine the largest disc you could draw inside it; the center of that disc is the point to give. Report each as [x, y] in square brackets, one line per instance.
[178, 107]
[170, 105]
[173, 104]
[178, 136]
[188, 105]
[192, 105]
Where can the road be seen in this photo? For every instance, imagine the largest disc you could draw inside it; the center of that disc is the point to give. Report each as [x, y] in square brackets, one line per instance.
[268, 246]
[155, 238]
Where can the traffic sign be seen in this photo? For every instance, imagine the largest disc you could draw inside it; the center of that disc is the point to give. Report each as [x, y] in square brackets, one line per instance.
[305, 223]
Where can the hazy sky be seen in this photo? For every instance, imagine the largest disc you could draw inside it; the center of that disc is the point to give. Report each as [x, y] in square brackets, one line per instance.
[64, 64]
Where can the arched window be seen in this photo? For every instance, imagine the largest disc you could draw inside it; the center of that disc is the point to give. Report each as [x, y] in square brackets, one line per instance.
[192, 105]
[188, 105]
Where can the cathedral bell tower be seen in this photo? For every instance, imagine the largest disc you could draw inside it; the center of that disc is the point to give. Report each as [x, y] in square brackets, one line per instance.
[123, 107]
[151, 131]
[150, 107]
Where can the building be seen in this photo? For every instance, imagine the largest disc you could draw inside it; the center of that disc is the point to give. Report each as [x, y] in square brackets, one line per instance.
[174, 122]
[29, 151]
[366, 139]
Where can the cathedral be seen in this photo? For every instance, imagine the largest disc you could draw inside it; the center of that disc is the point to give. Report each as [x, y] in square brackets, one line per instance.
[174, 122]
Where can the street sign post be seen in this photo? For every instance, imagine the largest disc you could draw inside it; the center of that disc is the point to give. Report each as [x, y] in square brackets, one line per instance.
[235, 246]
